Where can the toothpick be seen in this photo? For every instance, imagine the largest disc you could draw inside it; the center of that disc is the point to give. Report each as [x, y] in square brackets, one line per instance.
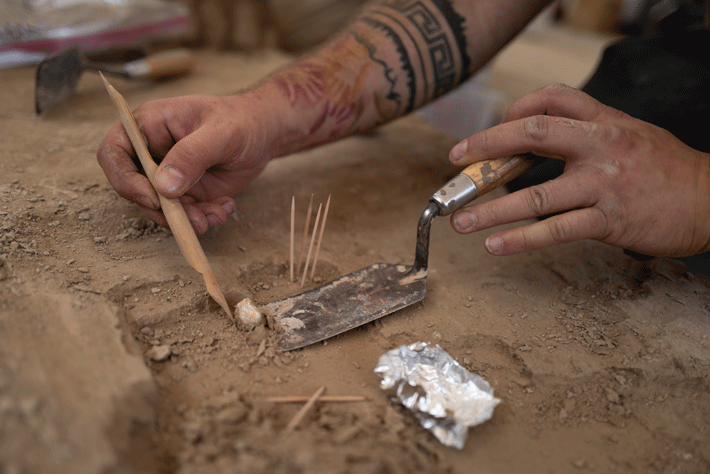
[310, 247]
[320, 237]
[303, 411]
[324, 399]
[305, 235]
[293, 218]
[172, 208]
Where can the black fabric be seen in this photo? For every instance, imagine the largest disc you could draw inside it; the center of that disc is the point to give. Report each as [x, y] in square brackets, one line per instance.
[663, 80]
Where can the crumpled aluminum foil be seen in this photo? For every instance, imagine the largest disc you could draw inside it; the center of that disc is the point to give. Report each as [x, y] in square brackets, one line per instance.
[445, 397]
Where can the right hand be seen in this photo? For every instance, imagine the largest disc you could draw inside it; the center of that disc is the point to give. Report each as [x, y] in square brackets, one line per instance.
[211, 147]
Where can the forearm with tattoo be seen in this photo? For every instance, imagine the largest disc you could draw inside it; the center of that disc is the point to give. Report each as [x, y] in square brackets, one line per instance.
[397, 56]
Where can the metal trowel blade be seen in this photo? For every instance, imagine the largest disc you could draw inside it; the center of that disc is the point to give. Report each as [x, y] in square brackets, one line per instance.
[346, 303]
[57, 76]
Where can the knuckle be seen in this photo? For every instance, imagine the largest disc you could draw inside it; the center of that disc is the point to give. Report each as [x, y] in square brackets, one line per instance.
[558, 89]
[484, 141]
[539, 200]
[527, 241]
[607, 214]
[561, 229]
[536, 128]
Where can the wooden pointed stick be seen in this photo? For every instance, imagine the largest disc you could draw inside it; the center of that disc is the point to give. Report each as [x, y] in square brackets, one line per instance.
[324, 398]
[303, 411]
[305, 236]
[310, 247]
[320, 237]
[172, 208]
[293, 218]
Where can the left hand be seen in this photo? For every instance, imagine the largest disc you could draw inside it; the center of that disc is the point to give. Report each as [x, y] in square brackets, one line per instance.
[626, 182]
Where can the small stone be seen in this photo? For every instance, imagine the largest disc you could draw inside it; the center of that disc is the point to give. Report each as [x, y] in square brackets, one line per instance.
[612, 396]
[83, 270]
[248, 315]
[100, 240]
[84, 216]
[159, 353]
[155, 290]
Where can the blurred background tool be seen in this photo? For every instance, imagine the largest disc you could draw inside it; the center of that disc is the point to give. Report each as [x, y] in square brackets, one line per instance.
[58, 74]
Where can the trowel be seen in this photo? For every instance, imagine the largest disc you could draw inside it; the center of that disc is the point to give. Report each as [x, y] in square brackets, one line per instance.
[58, 73]
[383, 288]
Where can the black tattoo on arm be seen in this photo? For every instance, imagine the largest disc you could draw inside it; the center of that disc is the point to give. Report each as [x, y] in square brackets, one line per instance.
[403, 56]
[392, 94]
[430, 33]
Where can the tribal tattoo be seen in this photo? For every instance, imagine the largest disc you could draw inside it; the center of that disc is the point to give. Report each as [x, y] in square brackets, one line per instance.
[425, 58]
[429, 37]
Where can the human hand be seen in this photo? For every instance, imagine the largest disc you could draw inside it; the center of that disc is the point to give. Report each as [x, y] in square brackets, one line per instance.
[210, 147]
[626, 182]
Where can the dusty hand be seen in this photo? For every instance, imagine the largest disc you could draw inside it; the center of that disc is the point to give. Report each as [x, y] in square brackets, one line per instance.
[626, 182]
[210, 148]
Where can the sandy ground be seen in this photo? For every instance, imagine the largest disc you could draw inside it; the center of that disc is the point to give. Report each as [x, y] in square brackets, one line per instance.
[113, 358]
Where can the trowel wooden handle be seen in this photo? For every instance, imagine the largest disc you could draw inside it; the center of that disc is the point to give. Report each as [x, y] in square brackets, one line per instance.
[169, 63]
[478, 179]
[488, 175]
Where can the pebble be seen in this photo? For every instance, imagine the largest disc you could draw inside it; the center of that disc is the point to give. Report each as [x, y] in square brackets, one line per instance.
[159, 353]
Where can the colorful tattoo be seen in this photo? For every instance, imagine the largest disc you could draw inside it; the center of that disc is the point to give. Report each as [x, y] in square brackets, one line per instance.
[430, 59]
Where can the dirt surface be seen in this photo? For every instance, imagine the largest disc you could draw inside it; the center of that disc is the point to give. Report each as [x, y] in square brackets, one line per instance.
[113, 358]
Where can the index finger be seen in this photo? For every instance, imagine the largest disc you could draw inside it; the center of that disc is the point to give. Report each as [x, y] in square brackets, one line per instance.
[557, 100]
[115, 156]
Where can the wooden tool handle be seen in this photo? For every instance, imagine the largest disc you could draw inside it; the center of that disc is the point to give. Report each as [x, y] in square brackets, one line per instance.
[172, 208]
[488, 175]
[169, 63]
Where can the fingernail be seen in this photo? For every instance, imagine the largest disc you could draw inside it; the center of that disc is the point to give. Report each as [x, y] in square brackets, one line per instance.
[197, 228]
[212, 220]
[458, 151]
[146, 202]
[169, 179]
[465, 220]
[494, 245]
[228, 207]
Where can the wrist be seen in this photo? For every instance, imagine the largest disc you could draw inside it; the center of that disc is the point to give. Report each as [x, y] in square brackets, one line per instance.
[703, 199]
[286, 125]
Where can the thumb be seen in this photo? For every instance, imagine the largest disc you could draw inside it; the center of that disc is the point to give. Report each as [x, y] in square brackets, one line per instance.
[185, 164]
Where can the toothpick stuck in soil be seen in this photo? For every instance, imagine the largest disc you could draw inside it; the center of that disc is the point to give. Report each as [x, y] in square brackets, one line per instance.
[293, 219]
[305, 235]
[310, 247]
[172, 208]
[320, 236]
[303, 411]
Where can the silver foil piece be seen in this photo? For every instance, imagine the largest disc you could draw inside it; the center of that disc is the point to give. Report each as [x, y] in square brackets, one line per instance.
[445, 397]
